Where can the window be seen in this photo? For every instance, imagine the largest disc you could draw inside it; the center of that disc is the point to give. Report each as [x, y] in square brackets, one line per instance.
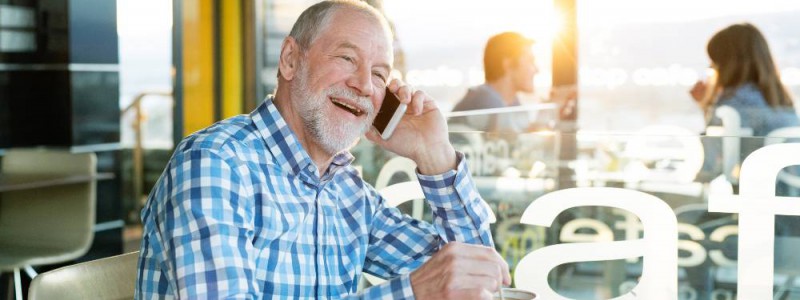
[638, 59]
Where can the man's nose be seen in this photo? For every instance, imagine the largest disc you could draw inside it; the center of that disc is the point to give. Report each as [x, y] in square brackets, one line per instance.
[361, 82]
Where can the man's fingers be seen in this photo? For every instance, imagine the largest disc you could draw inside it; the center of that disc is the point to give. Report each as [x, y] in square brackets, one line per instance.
[488, 269]
[374, 137]
[464, 281]
[462, 271]
[393, 85]
[417, 103]
[503, 264]
[497, 267]
[469, 294]
[486, 257]
[403, 94]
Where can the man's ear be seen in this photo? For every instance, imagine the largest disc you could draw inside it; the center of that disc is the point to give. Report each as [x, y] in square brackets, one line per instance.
[289, 58]
[509, 64]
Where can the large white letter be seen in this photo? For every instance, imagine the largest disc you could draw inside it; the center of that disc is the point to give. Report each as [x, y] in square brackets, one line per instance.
[659, 278]
[757, 206]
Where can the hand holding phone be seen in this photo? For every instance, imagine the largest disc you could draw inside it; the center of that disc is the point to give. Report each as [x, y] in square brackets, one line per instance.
[389, 115]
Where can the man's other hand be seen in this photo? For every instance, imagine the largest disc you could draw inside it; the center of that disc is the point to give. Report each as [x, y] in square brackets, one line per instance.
[461, 271]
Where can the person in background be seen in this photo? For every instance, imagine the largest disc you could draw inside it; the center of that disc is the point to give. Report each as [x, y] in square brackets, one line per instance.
[747, 80]
[509, 67]
[267, 205]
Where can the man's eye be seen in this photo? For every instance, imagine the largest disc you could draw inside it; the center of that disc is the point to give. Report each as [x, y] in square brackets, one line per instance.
[381, 76]
[347, 58]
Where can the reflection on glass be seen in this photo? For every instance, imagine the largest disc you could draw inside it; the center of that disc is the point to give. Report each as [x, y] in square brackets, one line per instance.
[17, 29]
[446, 73]
[640, 132]
[639, 59]
[513, 171]
[15, 41]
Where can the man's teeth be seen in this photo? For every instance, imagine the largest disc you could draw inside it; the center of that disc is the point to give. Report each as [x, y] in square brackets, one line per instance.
[352, 109]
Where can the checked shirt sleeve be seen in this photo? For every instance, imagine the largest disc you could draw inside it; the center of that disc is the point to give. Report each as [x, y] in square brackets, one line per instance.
[400, 244]
[205, 226]
[396, 288]
[459, 212]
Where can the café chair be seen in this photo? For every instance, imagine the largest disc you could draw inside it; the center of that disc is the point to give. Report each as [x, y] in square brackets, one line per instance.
[404, 170]
[731, 134]
[107, 278]
[49, 217]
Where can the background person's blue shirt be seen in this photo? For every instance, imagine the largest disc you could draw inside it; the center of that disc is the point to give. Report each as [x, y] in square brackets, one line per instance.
[754, 111]
[755, 114]
[485, 97]
[240, 212]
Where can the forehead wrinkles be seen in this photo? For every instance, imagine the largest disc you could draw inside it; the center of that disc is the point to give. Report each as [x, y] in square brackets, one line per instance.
[342, 14]
[362, 35]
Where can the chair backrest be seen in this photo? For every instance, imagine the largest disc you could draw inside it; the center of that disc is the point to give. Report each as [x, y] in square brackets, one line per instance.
[731, 134]
[107, 278]
[407, 191]
[61, 216]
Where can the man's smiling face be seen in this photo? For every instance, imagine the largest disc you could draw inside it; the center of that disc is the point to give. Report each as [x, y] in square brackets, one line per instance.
[341, 80]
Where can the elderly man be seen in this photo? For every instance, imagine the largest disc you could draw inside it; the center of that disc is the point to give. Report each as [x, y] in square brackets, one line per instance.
[267, 205]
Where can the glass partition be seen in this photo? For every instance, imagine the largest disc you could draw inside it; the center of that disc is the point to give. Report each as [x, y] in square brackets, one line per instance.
[645, 212]
[639, 59]
[647, 206]
[445, 73]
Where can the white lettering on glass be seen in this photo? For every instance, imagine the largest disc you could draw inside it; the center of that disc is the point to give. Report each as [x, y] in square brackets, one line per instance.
[659, 242]
[757, 206]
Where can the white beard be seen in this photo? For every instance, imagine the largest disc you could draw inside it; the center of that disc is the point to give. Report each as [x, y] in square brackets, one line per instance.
[332, 134]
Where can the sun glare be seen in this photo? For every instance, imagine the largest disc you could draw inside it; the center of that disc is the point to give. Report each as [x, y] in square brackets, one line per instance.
[608, 12]
[143, 17]
[436, 27]
[535, 19]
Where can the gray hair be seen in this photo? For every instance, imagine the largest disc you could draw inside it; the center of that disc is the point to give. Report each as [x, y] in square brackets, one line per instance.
[317, 17]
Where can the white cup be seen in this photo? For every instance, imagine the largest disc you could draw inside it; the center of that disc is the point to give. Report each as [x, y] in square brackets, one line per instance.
[515, 294]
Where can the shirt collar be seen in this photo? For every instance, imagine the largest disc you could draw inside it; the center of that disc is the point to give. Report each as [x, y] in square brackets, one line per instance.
[283, 143]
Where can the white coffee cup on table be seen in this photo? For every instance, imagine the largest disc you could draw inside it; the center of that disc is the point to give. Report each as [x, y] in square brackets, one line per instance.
[515, 294]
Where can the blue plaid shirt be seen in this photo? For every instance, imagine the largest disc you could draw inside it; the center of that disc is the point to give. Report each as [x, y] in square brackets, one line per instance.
[240, 212]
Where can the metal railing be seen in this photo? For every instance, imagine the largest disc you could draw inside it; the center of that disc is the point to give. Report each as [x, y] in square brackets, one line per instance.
[138, 155]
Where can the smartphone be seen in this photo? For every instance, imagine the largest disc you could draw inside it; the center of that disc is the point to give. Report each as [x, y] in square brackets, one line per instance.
[389, 115]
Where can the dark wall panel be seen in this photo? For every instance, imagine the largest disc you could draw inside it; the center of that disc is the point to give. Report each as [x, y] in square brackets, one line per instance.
[65, 90]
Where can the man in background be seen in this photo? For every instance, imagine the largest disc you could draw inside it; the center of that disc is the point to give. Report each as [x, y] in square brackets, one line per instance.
[509, 68]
